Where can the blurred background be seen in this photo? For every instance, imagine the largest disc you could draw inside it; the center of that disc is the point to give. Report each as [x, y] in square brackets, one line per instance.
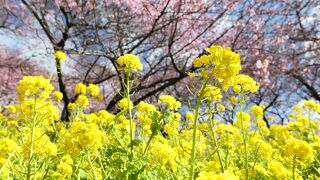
[278, 41]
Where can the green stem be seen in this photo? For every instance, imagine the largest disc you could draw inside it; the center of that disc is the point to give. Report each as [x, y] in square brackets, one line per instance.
[11, 155]
[244, 137]
[92, 168]
[153, 132]
[217, 147]
[310, 126]
[227, 153]
[130, 114]
[102, 166]
[78, 167]
[210, 119]
[55, 131]
[293, 167]
[148, 143]
[31, 141]
[193, 151]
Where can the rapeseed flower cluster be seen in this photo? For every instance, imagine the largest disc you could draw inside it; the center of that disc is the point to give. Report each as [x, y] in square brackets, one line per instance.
[129, 62]
[222, 63]
[65, 167]
[169, 102]
[31, 87]
[212, 93]
[312, 106]
[60, 55]
[58, 96]
[80, 88]
[84, 137]
[243, 83]
[150, 141]
[124, 104]
[257, 111]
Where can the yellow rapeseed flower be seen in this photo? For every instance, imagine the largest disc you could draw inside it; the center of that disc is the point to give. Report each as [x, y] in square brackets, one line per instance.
[93, 90]
[311, 105]
[82, 136]
[257, 111]
[65, 165]
[299, 149]
[233, 100]
[222, 62]
[245, 118]
[169, 101]
[189, 117]
[58, 96]
[105, 118]
[71, 106]
[80, 88]
[41, 143]
[6, 146]
[244, 83]
[82, 101]
[145, 107]
[129, 62]
[34, 86]
[221, 107]
[60, 55]
[123, 104]
[212, 93]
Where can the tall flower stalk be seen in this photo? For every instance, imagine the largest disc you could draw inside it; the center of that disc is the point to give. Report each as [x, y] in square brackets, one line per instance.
[194, 132]
[244, 137]
[127, 64]
[127, 95]
[31, 140]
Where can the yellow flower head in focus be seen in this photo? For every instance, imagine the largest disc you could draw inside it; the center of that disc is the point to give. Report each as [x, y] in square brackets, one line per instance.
[223, 63]
[300, 149]
[82, 101]
[123, 104]
[93, 90]
[145, 107]
[278, 170]
[244, 83]
[60, 55]
[58, 96]
[71, 106]
[129, 62]
[82, 137]
[80, 88]
[34, 86]
[212, 93]
[65, 168]
[105, 118]
[257, 111]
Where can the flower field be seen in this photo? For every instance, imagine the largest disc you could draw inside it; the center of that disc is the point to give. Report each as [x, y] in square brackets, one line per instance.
[158, 141]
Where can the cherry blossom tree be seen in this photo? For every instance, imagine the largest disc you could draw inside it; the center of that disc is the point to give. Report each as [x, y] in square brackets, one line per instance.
[276, 39]
[12, 68]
